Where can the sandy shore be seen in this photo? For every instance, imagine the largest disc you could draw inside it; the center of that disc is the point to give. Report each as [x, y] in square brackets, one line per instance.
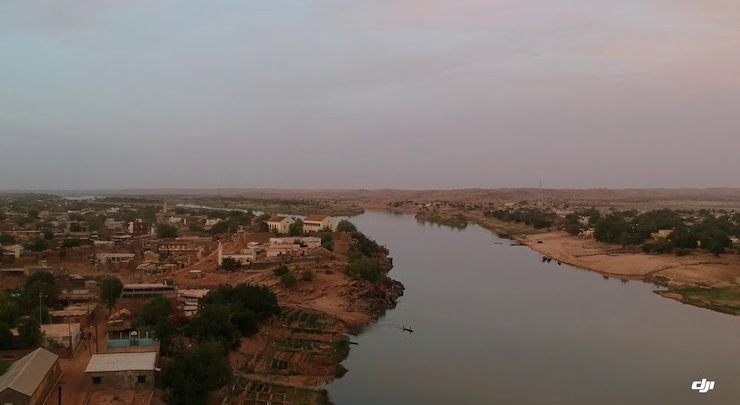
[698, 269]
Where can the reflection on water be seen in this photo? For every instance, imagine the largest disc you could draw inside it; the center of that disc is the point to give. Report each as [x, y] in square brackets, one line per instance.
[495, 325]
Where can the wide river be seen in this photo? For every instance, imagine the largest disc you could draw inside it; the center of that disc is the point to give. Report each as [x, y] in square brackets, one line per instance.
[494, 325]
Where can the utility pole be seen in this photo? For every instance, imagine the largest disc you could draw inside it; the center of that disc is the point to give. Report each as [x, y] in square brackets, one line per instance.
[40, 295]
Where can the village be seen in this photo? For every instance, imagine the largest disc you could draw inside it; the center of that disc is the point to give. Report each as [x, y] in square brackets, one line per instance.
[101, 301]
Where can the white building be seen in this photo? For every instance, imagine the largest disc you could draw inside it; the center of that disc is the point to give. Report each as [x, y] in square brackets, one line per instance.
[316, 223]
[296, 246]
[12, 250]
[105, 258]
[279, 224]
[61, 335]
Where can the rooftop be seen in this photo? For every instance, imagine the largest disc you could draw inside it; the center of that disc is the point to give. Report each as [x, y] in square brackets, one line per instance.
[315, 218]
[26, 374]
[276, 218]
[107, 362]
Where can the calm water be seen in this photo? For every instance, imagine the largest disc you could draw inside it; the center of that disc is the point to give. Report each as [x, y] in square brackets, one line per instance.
[496, 326]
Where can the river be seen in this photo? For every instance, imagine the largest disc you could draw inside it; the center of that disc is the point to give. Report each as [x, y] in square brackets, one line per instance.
[494, 325]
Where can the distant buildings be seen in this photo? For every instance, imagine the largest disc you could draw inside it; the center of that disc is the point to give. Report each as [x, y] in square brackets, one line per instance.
[279, 224]
[29, 380]
[106, 258]
[294, 246]
[61, 336]
[316, 223]
[149, 291]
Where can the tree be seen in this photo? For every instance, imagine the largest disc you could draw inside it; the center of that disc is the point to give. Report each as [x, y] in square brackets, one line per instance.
[191, 375]
[110, 289]
[7, 239]
[307, 275]
[296, 228]
[29, 332]
[71, 243]
[281, 270]
[246, 321]
[327, 242]
[346, 226]
[165, 231]
[213, 323]
[166, 333]
[288, 280]
[364, 268]
[155, 310]
[42, 284]
[230, 264]
[37, 245]
[6, 337]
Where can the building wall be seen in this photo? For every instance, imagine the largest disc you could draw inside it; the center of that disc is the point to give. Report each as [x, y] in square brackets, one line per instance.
[122, 380]
[14, 397]
[47, 384]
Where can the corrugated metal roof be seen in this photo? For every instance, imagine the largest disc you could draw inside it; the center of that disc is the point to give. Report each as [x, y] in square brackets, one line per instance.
[26, 374]
[104, 362]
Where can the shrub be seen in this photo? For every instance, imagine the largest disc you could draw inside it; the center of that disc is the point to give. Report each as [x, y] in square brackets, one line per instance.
[288, 280]
[307, 275]
[281, 270]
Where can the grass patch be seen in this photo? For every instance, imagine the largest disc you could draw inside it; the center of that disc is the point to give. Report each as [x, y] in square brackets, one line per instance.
[726, 300]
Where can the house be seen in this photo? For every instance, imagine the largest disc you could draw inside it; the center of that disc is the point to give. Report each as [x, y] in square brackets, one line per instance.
[29, 380]
[316, 223]
[297, 246]
[127, 370]
[279, 224]
[63, 336]
[12, 250]
[105, 258]
[148, 291]
[243, 259]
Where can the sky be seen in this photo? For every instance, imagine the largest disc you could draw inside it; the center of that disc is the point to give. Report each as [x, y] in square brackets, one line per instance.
[418, 94]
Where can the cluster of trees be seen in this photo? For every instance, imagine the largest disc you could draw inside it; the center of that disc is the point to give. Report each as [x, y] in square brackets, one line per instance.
[166, 231]
[365, 255]
[533, 217]
[230, 221]
[631, 228]
[19, 308]
[226, 314]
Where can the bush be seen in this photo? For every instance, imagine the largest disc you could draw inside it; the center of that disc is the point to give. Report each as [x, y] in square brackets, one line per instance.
[288, 280]
[230, 264]
[364, 268]
[307, 275]
[166, 231]
[281, 270]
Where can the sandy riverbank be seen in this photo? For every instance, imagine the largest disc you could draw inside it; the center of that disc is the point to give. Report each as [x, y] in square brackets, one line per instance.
[698, 269]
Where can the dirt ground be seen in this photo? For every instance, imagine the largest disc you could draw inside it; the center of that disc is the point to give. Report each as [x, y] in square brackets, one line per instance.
[696, 269]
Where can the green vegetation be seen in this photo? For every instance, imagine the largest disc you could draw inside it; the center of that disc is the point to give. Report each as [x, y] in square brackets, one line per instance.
[37, 245]
[6, 337]
[110, 289]
[533, 217]
[327, 242]
[7, 239]
[307, 275]
[296, 228]
[726, 300]
[4, 366]
[288, 280]
[281, 270]
[230, 264]
[29, 331]
[166, 231]
[191, 375]
[365, 255]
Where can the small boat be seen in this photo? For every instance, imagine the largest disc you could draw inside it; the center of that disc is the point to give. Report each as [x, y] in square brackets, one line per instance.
[409, 330]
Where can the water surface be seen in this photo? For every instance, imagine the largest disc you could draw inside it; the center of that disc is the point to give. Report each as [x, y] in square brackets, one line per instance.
[494, 325]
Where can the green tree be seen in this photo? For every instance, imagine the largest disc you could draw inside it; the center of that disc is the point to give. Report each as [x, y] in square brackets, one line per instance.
[307, 275]
[37, 245]
[155, 310]
[165, 231]
[288, 280]
[191, 375]
[6, 337]
[165, 332]
[213, 323]
[364, 268]
[29, 332]
[296, 228]
[246, 321]
[230, 264]
[7, 239]
[346, 226]
[281, 270]
[327, 242]
[110, 290]
[71, 243]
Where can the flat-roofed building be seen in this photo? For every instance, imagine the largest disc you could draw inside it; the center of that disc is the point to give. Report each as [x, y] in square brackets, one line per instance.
[105, 258]
[29, 380]
[61, 336]
[148, 291]
[111, 371]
